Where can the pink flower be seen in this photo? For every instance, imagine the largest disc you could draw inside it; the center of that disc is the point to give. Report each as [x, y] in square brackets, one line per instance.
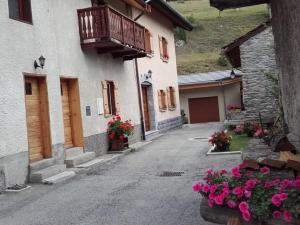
[276, 200]
[231, 204]
[283, 196]
[250, 184]
[296, 183]
[223, 171]
[265, 170]
[249, 174]
[211, 196]
[276, 182]
[219, 200]
[248, 194]
[276, 214]
[235, 172]
[205, 188]
[238, 191]
[287, 216]
[213, 188]
[243, 206]
[210, 203]
[197, 187]
[246, 216]
[285, 183]
[225, 191]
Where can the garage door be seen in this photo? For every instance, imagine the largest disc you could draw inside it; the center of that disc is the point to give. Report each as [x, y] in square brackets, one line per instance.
[204, 110]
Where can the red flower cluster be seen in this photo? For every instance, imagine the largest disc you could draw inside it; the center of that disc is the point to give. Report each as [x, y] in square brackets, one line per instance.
[118, 129]
[254, 194]
[233, 107]
[220, 139]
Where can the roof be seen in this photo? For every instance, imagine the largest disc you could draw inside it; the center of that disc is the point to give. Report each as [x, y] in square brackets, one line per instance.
[164, 8]
[229, 4]
[204, 78]
[232, 50]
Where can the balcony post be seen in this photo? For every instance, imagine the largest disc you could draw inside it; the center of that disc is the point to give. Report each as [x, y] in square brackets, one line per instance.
[122, 28]
[107, 11]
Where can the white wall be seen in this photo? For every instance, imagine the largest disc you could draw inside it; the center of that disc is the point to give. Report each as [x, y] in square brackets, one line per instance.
[231, 95]
[164, 73]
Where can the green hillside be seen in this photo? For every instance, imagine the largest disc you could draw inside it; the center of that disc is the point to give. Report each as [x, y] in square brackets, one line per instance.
[213, 30]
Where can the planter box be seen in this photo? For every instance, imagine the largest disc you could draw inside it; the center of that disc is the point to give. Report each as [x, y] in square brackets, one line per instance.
[117, 145]
[221, 215]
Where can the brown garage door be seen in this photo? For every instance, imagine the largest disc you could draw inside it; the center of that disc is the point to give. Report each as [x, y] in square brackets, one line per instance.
[204, 110]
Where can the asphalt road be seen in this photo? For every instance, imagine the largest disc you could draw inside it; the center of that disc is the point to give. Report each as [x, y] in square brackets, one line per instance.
[129, 192]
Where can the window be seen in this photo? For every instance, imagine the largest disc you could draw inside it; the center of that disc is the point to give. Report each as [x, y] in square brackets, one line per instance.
[162, 100]
[163, 46]
[171, 98]
[110, 98]
[20, 10]
[28, 88]
[148, 43]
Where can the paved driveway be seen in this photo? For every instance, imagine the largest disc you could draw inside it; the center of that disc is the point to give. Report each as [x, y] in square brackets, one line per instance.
[130, 192]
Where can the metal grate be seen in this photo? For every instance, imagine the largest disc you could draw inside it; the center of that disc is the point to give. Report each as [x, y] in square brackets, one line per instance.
[171, 174]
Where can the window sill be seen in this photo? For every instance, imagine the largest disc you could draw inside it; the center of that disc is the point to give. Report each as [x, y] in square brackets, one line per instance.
[163, 110]
[165, 60]
[172, 109]
[150, 55]
[23, 21]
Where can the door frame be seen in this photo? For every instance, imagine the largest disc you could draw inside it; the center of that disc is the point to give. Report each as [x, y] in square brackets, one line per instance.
[147, 102]
[75, 108]
[45, 113]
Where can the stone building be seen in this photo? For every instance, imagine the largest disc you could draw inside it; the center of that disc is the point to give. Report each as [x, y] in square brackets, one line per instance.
[55, 111]
[254, 54]
[286, 30]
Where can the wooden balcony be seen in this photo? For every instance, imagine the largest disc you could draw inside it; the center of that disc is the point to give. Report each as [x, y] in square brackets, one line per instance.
[108, 31]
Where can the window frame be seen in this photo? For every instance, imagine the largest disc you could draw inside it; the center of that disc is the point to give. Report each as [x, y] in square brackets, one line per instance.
[172, 98]
[21, 4]
[164, 49]
[163, 102]
[149, 39]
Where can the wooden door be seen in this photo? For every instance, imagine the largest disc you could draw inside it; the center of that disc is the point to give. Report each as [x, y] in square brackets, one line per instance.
[67, 114]
[204, 110]
[71, 113]
[146, 108]
[37, 115]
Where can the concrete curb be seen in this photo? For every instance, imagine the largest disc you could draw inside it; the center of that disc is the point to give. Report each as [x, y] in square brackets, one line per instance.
[210, 152]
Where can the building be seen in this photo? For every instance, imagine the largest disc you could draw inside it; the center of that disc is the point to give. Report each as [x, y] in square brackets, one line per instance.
[54, 112]
[286, 30]
[205, 97]
[254, 54]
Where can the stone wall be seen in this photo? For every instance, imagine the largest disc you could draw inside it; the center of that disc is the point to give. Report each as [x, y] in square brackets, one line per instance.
[258, 58]
[286, 28]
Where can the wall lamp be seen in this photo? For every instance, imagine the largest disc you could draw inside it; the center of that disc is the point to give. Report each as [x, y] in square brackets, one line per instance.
[149, 74]
[42, 63]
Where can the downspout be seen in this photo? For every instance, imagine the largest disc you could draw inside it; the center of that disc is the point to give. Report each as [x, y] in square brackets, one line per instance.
[140, 99]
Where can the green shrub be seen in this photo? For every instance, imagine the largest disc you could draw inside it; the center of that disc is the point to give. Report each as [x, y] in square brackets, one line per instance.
[180, 34]
[222, 61]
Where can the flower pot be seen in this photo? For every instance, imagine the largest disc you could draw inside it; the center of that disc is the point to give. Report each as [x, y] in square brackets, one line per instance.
[222, 148]
[116, 145]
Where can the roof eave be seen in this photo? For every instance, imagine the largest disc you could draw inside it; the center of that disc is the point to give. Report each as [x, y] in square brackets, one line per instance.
[176, 18]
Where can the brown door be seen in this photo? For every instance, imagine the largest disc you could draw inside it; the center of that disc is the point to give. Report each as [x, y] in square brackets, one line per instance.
[71, 113]
[204, 110]
[146, 107]
[37, 115]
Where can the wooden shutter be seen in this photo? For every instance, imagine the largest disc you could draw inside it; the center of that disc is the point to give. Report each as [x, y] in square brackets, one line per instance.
[148, 42]
[160, 104]
[173, 97]
[160, 46]
[105, 98]
[164, 100]
[117, 103]
[169, 97]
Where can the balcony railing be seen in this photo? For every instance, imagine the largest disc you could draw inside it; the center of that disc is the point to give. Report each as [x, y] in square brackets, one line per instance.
[108, 30]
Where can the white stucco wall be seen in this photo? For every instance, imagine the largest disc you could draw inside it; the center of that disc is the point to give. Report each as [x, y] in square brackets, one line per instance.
[164, 73]
[231, 95]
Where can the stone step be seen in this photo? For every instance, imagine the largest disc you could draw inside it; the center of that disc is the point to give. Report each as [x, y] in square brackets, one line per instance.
[79, 159]
[39, 176]
[36, 166]
[59, 177]
[72, 152]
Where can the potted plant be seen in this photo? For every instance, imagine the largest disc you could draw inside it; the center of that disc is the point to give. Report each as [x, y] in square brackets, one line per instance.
[221, 141]
[254, 194]
[118, 132]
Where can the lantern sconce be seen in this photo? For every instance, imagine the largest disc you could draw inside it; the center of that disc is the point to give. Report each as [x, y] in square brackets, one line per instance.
[41, 61]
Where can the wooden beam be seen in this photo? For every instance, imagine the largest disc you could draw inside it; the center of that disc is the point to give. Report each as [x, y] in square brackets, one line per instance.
[135, 3]
[230, 4]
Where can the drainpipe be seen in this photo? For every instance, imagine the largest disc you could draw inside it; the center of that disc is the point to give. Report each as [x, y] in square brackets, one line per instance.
[140, 99]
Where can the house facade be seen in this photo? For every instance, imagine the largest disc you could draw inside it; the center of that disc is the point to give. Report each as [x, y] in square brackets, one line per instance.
[205, 97]
[55, 113]
[254, 54]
